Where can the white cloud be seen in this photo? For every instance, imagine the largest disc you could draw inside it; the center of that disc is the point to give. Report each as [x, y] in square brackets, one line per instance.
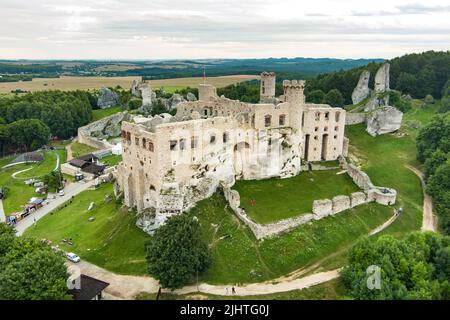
[157, 29]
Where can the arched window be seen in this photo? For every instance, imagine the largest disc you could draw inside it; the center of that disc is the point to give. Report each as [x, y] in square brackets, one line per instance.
[282, 120]
[144, 143]
[150, 146]
[317, 116]
[268, 120]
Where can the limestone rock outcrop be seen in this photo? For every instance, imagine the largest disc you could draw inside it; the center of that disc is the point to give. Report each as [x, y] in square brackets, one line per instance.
[107, 98]
[143, 90]
[382, 78]
[174, 100]
[191, 97]
[384, 120]
[361, 90]
[380, 96]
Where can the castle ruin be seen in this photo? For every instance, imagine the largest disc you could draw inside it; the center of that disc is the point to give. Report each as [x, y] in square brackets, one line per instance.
[172, 162]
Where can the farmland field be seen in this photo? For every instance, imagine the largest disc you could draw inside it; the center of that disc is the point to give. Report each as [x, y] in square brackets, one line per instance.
[87, 83]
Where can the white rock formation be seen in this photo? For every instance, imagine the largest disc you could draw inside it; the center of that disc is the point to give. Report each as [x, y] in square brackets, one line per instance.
[384, 120]
[107, 98]
[146, 94]
[361, 90]
[382, 78]
[191, 97]
[174, 100]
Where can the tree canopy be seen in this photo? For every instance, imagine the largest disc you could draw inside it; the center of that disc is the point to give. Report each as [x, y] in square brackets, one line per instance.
[176, 252]
[433, 149]
[29, 269]
[410, 268]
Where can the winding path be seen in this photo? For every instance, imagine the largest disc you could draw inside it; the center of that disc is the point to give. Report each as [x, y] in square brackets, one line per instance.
[19, 172]
[127, 287]
[429, 221]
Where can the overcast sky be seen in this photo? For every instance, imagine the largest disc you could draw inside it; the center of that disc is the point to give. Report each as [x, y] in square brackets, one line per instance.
[157, 29]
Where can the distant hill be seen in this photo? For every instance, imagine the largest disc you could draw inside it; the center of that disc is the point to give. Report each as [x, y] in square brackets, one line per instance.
[164, 69]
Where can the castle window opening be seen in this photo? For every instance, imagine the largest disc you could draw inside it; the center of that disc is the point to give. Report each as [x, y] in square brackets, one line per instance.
[327, 115]
[267, 120]
[316, 129]
[335, 136]
[144, 143]
[316, 137]
[225, 137]
[182, 144]
[150, 146]
[317, 116]
[123, 134]
[128, 137]
[152, 187]
[282, 120]
[336, 128]
[194, 142]
[136, 141]
[325, 129]
[212, 139]
[173, 145]
[303, 119]
[336, 116]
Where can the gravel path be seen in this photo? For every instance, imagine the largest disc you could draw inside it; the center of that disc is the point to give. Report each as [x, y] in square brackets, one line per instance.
[429, 221]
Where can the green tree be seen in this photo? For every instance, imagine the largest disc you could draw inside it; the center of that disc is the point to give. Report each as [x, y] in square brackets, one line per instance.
[29, 269]
[316, 96]
[334, 98]
[177, 252]
[431, 164]
[406, 83]
[39, 275]
[406, 267]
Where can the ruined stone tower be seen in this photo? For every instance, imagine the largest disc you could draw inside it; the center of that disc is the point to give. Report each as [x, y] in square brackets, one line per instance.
[293, 91]
[267, 87]
[206, 92]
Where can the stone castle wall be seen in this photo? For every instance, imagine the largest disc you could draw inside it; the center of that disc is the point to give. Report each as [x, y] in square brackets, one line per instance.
[95, 133]
[321, 208]
[355, 118]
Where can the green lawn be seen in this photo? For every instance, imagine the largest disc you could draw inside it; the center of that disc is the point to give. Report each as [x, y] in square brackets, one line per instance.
[236, 252]
[103, 113]
[330, 290]
[278, 199]
[421, 112]
[18, 192]
[44, 167]
[80, 149]
[111, 241]
[112, 159]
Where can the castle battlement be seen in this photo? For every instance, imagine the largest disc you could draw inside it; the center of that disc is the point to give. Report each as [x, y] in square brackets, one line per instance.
[294, 84]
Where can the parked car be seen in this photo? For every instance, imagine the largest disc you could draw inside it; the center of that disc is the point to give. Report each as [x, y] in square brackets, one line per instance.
[61, 193]
[73, 257]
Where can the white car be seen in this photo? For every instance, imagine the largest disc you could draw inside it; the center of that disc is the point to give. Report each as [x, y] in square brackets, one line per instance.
[61, 193]
[73, 257]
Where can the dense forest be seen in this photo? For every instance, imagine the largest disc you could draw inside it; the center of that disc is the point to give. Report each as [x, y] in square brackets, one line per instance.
[54, 113]
[411, 268]
[414, 74]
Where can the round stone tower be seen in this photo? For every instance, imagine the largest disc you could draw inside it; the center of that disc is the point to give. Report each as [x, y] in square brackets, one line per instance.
[293, 91]
[267, 88]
